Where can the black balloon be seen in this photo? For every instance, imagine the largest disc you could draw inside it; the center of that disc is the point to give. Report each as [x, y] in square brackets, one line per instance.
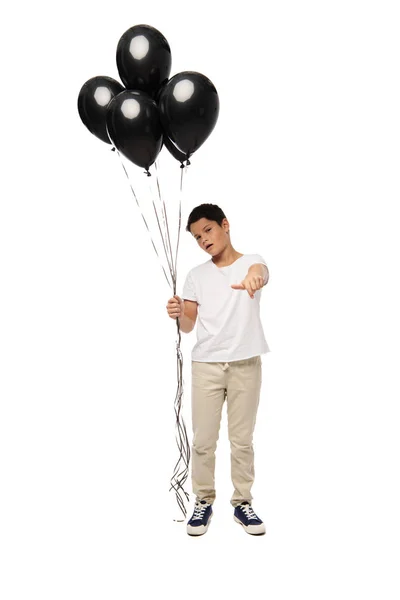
[143, 59]
[93, 100]
[170, 146]
[133, 124]
[189, 108]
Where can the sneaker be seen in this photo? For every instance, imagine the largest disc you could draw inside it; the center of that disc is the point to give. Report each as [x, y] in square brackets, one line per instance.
[245, 515]
[200, 520]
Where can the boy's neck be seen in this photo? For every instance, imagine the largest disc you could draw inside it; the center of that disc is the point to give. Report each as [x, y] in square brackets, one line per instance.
[226, 257]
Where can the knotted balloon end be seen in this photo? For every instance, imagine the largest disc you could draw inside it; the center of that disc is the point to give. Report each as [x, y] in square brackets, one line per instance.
[182, 166]
[188, 163]
[113, 149]
[148, 173]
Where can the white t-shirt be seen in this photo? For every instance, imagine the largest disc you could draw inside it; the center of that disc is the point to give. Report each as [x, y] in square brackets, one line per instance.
[228, 320]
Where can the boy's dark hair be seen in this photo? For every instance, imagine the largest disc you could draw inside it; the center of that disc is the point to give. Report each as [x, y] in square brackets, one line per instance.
[212, 212]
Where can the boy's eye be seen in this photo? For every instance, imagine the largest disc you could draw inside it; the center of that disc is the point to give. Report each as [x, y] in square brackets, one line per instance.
[209, 229]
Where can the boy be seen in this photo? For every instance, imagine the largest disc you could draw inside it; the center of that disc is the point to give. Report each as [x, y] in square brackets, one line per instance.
[224, 292]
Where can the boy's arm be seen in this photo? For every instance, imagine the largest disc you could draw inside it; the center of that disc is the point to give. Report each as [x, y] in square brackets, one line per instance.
[252, 281]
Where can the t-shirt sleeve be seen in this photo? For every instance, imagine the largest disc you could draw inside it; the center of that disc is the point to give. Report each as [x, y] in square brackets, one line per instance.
[189, 290]
[259, 259]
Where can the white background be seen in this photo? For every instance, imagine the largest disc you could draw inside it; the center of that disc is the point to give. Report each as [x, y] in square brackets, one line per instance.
[304, 161]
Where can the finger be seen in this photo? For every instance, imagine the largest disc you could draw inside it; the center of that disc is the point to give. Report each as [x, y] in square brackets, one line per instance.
[249, 289]
[255, 283]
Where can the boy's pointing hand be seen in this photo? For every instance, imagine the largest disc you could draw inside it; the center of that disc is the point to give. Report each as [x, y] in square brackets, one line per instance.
[251, 283]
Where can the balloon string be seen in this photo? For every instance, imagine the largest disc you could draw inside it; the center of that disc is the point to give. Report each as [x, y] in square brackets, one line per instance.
[165, 222]
[164, 225]
[137, 202]
[164, 238]
[180, 211]
[179, 478]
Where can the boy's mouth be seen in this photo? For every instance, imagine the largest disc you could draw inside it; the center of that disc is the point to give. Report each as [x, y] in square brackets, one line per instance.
[208, 247]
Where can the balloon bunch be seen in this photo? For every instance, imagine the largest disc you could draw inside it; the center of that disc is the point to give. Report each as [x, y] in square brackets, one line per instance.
[151, 110]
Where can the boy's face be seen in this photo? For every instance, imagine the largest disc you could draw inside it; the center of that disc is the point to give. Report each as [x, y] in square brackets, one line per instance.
[208, 232]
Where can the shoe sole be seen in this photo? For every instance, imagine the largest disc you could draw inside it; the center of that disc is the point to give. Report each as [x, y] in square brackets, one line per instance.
[198, 530]
[252, 529]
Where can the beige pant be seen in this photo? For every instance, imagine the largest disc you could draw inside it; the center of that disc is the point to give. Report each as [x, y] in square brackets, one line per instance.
[240, 383]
